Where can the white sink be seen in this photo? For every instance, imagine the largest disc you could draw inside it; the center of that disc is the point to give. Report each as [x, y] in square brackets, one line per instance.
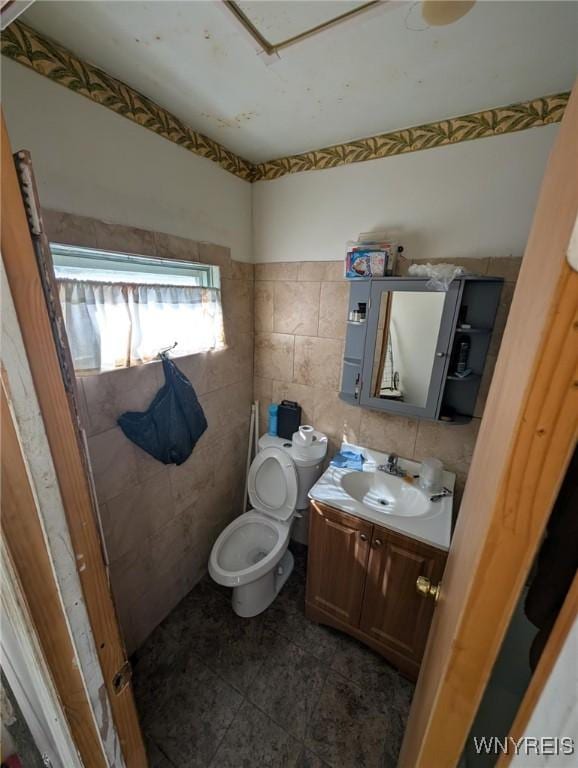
[387, 500]
[386, 493]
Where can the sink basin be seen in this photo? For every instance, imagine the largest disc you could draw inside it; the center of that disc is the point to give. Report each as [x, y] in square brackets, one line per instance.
[386, 494]
[386, 500]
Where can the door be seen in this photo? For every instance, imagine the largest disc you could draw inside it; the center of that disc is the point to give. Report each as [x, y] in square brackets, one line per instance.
[399, 374]
[394, 613]
[527, 435]
[338, 553]
[60, 425]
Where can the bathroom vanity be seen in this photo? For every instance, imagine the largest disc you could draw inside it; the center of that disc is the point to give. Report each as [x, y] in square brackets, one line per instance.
[372, 573]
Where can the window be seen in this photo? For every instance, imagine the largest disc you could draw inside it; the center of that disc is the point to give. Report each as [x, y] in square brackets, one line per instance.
[121, 310]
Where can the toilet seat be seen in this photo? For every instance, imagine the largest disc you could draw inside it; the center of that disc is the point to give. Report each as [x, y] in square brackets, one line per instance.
[247, 548]
[272, 484]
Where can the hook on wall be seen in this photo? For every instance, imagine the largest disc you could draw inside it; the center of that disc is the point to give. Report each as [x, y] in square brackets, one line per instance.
[164, 352]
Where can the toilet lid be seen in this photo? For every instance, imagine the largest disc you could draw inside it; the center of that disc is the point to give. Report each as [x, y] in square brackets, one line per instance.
[272, 483]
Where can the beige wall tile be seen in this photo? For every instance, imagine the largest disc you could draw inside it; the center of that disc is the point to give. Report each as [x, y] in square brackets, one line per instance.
[157, 551]
[110, 394]
[304, 395]
[146, 465]
[507, 267]
[322, 271]
[132, 573]
[238, 306]
[113, 462]
[173, 247]
[274, 356]
[264, 292]
[335, 418]
[311, 271]
[452, 443]
[334, 301]
[242, 270]
[114, 237]
[281, 270]
[196, 369]
[216, 256]
[317, 362]
[196, 474]
[334, 271]
[168, 545]
[296, 308]
[388, 433]
[262, 388]
[69, 229]
[131, 517]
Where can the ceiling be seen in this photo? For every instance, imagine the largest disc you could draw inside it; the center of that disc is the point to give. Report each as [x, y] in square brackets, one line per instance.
[381, 71]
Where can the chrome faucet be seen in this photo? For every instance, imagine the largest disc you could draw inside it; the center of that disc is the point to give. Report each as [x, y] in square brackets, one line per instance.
[392, 467]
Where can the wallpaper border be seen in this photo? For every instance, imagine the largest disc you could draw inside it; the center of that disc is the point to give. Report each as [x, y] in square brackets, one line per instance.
[478, 125]
[28, 47]
[24, 45]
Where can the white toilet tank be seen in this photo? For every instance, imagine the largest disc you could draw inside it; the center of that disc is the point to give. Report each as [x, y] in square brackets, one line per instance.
[309, 468]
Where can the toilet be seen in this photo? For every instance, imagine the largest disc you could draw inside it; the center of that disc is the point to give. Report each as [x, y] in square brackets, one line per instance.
[251, 555]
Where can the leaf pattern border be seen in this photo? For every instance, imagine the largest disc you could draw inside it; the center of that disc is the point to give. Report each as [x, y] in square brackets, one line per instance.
[490, 122]
[25, 45]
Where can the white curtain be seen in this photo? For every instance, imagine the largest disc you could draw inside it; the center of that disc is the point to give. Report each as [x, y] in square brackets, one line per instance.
[116, 325]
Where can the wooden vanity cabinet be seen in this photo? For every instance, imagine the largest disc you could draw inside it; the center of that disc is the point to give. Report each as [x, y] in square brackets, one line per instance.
[361, 579]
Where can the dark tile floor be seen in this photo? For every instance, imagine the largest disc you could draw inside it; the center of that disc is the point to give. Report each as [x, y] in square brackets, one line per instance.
[276, 691]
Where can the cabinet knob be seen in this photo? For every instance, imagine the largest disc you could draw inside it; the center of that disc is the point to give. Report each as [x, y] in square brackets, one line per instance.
[363, 536]
[377, 542]
[427, 589]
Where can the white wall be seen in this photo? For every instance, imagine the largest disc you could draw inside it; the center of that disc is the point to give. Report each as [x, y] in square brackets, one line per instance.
[472, 199]
[92, 162]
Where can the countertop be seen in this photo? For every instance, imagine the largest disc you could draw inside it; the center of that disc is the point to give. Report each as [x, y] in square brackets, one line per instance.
[433, 528]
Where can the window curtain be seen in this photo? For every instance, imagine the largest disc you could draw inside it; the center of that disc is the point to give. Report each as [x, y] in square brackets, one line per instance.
[116, 325]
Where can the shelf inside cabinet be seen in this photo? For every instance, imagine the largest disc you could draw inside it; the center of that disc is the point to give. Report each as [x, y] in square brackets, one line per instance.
[471, 377]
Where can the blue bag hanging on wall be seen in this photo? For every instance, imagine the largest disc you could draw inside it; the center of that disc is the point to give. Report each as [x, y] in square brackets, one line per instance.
[172, 424]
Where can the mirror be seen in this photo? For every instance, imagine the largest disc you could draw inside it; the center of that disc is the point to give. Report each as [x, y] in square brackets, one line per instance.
[407, 334]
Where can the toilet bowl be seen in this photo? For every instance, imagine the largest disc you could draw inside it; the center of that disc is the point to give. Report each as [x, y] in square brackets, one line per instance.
[251, 554]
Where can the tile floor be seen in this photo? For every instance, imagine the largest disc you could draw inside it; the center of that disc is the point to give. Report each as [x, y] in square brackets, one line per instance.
[277, 691]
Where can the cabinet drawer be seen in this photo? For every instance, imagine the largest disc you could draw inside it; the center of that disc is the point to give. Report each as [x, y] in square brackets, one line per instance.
[337, 563]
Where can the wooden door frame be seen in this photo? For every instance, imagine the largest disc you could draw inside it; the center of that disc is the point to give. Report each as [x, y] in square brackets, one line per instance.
[26, 552]
[527, 435]
[33, 318]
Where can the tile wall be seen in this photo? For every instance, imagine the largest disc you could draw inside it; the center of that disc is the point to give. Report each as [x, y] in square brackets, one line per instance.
[300, 313]
[160, 521]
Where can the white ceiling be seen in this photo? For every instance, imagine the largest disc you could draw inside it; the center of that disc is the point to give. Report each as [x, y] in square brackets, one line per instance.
[382, 71]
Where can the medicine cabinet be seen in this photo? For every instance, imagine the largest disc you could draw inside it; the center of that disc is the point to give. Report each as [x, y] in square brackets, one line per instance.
[417, 351]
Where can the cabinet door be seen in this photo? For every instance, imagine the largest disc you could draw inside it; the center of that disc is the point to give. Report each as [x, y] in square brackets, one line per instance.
[338, 554]
[393, 611]
[405, 357]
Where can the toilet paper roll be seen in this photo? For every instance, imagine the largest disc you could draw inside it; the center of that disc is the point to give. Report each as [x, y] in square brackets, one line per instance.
[306, 434]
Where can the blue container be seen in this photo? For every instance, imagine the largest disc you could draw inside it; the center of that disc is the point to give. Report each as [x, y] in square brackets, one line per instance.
[273, 408]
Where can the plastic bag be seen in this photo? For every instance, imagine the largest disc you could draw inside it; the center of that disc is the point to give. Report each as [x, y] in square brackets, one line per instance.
[172, 424]
[440, 275]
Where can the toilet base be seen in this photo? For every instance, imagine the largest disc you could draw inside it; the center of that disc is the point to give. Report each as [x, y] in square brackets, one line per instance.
[252, 599]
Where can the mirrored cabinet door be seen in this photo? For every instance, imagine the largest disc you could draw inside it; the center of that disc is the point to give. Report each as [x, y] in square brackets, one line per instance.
[408, 334]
